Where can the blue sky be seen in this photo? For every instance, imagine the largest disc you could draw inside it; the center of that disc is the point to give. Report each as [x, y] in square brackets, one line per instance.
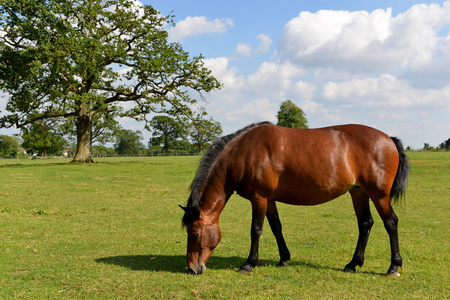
[384, 64]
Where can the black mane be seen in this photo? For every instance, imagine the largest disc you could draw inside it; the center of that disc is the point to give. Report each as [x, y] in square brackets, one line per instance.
[207, 161]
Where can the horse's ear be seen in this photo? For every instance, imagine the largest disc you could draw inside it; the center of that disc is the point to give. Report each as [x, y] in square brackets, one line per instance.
[183, 208]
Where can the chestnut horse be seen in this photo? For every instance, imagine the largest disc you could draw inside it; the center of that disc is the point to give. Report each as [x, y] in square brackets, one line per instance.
[265, 163]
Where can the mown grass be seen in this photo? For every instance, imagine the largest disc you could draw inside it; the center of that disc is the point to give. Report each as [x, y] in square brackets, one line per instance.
[112, 230]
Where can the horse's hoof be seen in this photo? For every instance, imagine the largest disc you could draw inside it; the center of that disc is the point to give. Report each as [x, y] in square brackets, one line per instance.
[245, 272]
[393, 275]
[245, 269]
[283, 264]
[349, 270]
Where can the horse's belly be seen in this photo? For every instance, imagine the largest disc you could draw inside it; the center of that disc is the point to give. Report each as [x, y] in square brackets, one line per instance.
[305, 199]
[309, 192]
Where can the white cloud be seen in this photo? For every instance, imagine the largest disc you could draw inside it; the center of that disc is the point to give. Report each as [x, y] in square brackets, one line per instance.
[261, 109]
[385, 92]
[304, 90]
[226, 75]
[265, 43]
[368, 100]
[330, 38]
[321, 115]
[273, 78]
[435, 73]
[362, 41]
[247, 50]
[192, 26]
[244, 50]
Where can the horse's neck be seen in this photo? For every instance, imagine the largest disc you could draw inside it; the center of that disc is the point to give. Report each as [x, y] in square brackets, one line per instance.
[214, 196]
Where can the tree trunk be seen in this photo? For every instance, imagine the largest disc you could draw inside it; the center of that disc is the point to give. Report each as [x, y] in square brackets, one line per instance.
[200, 147]
[166, 145]
[84, 130]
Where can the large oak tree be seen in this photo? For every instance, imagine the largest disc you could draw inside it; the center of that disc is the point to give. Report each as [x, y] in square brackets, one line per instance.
[79, 58]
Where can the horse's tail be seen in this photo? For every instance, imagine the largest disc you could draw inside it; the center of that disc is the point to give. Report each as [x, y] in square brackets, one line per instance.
[401, 178]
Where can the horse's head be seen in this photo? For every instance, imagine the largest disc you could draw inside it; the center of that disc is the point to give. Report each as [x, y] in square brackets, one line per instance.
[203, 235]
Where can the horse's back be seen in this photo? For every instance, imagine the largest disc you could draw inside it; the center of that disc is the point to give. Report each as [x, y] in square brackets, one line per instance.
[311, 166]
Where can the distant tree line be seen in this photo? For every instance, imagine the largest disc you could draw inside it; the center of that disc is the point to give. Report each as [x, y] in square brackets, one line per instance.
[444, 146]
[169, 134]
[9, 145]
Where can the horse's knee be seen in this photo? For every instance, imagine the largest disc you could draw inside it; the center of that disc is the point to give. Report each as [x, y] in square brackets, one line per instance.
[367, 224]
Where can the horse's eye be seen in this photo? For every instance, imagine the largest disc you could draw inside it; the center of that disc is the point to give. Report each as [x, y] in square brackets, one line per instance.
[195, 236]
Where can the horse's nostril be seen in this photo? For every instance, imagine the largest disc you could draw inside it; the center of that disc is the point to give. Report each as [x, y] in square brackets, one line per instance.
[202, 269]
[191, 271]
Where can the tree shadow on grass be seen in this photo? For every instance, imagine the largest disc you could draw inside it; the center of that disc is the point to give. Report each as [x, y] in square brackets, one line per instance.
[177, 263]
[21, 164]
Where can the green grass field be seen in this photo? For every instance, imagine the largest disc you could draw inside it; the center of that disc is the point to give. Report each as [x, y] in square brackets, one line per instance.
[112, 230]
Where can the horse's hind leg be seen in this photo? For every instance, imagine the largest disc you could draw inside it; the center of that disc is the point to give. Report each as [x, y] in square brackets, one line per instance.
[365, 223]
[275, 225]
[390, 220]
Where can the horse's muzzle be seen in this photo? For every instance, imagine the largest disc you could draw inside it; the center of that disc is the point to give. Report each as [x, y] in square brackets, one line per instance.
[200, 269]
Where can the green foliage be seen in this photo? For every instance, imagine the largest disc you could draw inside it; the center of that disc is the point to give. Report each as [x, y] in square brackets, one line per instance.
[427, 147]
[43, 138]
[203, 131]
[445, 145]
[101, 150]
[167, 131]
[122, 239]
[79, 58]
[9, 145]
[291, 116]
[172, 133]
[129, 142]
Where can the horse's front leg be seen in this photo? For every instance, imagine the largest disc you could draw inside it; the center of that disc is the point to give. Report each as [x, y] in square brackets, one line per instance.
[259, 209]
